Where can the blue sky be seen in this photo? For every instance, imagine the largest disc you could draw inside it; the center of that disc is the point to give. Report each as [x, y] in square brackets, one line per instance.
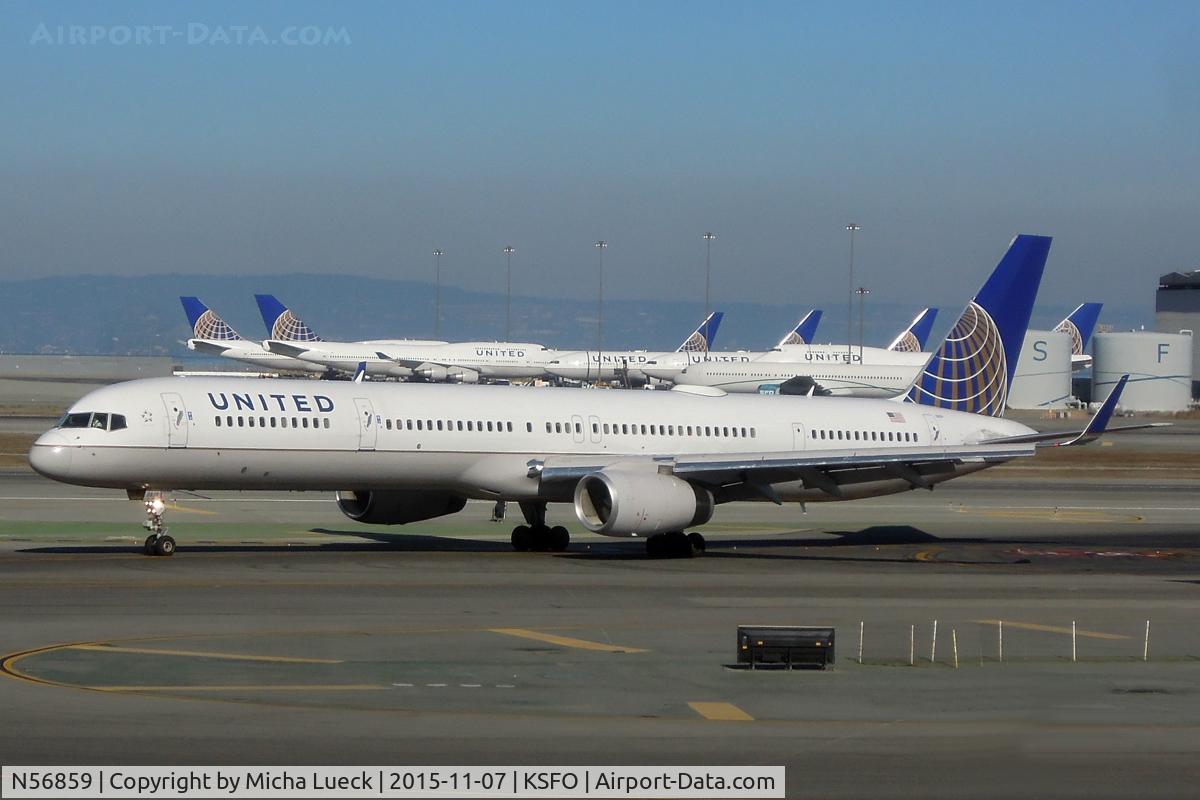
[942, 128]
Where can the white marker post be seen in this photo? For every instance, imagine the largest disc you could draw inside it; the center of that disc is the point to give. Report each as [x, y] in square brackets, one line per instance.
[1072, 641]
[933, 647]
[912, 645]
[954, 641]
[1146, 643]
[860, 640]
[1000, 628]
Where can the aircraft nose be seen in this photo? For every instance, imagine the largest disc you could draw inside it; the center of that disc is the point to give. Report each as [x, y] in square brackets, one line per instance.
[51, 456]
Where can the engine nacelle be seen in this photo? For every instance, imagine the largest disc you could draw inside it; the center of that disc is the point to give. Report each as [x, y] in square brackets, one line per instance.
[398, 507]
[632, 503]
[431, 372]
[463, 375]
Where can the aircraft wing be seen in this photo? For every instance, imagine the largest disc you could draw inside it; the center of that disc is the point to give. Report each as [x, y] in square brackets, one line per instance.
[283, 348]
[828, 470]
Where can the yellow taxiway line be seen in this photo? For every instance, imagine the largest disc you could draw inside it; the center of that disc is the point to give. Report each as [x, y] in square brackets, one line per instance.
[566, 641]
[721, 712]
[1033, 626]
[105, 648]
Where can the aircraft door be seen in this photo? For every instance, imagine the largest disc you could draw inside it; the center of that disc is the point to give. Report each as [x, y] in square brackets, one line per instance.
[577, 429]
[935, 428]
[178, 420]
[368, 425]
[799, 442]
[594, 425]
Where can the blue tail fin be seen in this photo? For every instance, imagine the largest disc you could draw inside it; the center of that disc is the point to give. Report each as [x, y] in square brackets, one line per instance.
[805, 330]
[974, 366]
[281, 322]
[205, 322]
[914, 337]
[1079, 325]
[701, 339]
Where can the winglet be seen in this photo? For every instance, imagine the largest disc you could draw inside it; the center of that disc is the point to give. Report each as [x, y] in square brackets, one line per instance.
[1099, 422]
[205, 322]
[805, 330]
[701, 339]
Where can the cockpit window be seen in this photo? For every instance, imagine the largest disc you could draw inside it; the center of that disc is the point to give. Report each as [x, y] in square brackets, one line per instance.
[99, 421]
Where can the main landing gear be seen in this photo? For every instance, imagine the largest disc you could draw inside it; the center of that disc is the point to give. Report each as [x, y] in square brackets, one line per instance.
[675, 544]
[537, 535]
[158, 543]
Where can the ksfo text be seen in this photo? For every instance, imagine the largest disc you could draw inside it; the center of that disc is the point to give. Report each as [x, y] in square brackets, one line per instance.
[393, 782]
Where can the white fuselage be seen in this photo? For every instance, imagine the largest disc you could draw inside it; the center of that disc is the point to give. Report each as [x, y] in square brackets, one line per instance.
[455, 361]
[836, 378]
[250, 353]
[668, 366]
[477, 441]
[605, 365]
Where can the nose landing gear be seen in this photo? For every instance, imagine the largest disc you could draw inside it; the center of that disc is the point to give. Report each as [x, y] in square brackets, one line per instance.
[158, 543]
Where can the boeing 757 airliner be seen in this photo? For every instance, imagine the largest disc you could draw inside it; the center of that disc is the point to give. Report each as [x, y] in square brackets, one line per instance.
[633, 464]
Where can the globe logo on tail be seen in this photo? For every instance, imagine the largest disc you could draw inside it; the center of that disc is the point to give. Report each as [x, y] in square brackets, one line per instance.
[969, 372]
[792, 338]
[906, 343]
[696, 343]
[290, 329]
[210, 326]
[1068, 327]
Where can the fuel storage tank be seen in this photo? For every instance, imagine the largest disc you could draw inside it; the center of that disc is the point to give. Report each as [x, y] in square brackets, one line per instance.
[1159, 366]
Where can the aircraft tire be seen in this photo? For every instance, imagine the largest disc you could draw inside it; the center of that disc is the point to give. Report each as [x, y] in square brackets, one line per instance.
[522, 539]
[560, 538]
[148, 545]
[697, 540]
[164, 546]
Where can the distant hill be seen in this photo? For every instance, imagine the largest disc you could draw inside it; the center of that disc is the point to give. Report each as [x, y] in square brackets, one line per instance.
[104, 315]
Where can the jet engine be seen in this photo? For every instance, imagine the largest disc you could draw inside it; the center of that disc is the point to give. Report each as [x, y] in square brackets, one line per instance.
[618, 502]
[398, 507]
[431, 372]
[463, 375]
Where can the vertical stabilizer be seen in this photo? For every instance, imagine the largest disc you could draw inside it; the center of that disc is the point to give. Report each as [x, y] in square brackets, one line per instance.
[205, 322]
[1079, 325]
[701, 339]
[281, 322]
[973, 368]
[805, 330]
[913, 338]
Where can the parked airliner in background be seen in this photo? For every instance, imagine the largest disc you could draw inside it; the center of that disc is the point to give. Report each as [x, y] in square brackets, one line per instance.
[1079, 325]
[626, 365]
[633, 464]
[213, 336]
[793, 351]
[828, 369]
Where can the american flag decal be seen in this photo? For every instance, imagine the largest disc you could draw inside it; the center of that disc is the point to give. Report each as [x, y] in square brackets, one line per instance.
[895, 416]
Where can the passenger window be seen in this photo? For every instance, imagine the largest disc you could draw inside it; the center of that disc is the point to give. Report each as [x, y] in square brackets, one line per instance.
[460, 425]
[529, 427]
[725, 432]
[250, 421]
[387, 423]
[304, 421]
[735, 433]
[916, 437]
[606, 427]
[558, 427]
[643, 430]
[489, 426]
[218, 420]
[579, 427]
[262, 422]
[707, 431]
[327, 423]
[241, 421]
[228, 422]
[752, 434]
[295, 422]
[549, 428]
[272, 422]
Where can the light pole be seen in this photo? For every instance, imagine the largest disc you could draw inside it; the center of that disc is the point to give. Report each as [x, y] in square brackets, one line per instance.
[708, 240]
[600, 245]
[508, 253]
[862, 293]
[437, 297]
[853, 228]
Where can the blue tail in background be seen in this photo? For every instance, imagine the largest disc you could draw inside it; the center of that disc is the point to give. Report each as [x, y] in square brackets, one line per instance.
[973, 369]
[1079, 325]
[805, 330]
[913, 338]
[205, 322]
[701, 339]
[281, 322]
